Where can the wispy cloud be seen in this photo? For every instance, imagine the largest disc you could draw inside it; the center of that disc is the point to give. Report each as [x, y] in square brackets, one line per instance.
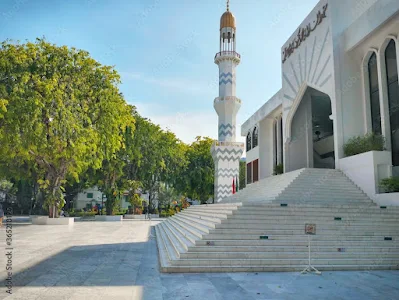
[187, 125]
[176, 84]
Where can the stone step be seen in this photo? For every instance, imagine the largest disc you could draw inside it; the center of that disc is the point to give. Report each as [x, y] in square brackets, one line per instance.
[192, 238]
[193, 230]
[352, 236]
[293, 242]
[289, 255]
[338, 225]
[166, 244]
[300, 248]
[216, 211]
[275, 268]
[336, 231]
[288, 201]
[351, 189]
[208, 214]
[329, 196]
[366, 209]
[163, 253]
[193, 223]
[309, 214]
[217, 205]
[213, 220]
[185, 240]
[251, 231]
[282, 261]
[299, 206]
[206, 223]
[174, 240]
[301, 220]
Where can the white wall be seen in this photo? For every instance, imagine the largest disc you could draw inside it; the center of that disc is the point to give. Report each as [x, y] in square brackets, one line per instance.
[310, 65]
[81, 200]
[266, 153]
[367, 169]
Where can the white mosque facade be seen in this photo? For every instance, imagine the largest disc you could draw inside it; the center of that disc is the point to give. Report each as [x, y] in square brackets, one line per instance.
[339, 81]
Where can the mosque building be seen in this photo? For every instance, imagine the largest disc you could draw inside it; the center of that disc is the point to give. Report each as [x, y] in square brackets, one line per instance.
[339, 81]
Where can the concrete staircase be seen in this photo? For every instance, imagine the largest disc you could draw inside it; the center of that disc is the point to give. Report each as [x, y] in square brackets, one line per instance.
[265, 231]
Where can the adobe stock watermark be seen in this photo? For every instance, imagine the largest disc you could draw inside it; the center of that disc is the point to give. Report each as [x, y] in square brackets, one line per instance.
[8, 250]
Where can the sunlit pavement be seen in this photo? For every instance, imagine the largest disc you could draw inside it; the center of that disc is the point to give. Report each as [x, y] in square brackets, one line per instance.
[109, 260]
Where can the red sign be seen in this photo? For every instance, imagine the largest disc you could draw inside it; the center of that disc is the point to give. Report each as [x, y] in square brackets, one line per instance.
[310, 228]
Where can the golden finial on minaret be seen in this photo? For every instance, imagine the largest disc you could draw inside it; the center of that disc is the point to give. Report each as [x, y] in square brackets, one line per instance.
[227, 19]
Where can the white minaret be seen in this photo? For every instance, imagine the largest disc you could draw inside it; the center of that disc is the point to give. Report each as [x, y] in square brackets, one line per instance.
[226, 152]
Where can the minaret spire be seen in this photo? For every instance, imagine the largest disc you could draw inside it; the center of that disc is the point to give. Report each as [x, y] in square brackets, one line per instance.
[226, 152]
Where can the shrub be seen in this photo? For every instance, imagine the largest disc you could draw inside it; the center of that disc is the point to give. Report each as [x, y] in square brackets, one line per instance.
[390, 185]
[82, 214]
[184, 203]
[278, 169]
[362, 144]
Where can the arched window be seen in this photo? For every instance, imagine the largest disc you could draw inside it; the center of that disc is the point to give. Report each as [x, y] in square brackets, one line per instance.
[249, 144]
[393, 98]
[255, 137]
[374, 95]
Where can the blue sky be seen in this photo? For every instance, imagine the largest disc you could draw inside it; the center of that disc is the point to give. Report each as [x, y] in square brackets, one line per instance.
[164, 49]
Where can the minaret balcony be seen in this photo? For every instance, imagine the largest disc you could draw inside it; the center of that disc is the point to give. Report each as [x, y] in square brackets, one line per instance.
[227, 98]
[231, 55]
[225, 144]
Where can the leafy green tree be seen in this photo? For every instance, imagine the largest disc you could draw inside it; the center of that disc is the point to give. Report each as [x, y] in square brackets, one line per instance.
[60, 112]
[7, 190]
[242, 182]
[155, 156]
[166, 196]
[197, 179]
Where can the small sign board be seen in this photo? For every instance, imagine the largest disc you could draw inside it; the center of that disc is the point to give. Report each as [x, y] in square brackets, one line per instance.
[310, 228]
[210, 243]
[264, 237]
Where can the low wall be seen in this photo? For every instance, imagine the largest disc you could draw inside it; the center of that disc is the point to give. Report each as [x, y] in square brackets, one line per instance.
[387, 199]
[138, 217]
[104, 218]
[366, 170]
[45, 220]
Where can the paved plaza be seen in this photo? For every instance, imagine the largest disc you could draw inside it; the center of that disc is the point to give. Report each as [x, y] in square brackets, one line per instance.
[94, 260]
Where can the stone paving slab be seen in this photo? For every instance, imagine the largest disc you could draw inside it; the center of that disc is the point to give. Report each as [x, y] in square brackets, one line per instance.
[99, 260]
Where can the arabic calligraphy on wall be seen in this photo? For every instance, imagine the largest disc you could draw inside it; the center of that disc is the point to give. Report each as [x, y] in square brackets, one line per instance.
[303, 33]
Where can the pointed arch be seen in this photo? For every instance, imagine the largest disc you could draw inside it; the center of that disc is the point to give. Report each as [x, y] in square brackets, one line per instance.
[248, 141]
[294, 106]
[389, 67]
[255, 137]
[366, 88]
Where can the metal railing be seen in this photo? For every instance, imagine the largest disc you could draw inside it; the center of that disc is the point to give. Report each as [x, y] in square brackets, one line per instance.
[227, 53]
[235, 144]
[227, 98]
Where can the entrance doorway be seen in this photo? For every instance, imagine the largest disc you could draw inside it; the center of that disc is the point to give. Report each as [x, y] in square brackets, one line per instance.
[312, 135]
[323, 132]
